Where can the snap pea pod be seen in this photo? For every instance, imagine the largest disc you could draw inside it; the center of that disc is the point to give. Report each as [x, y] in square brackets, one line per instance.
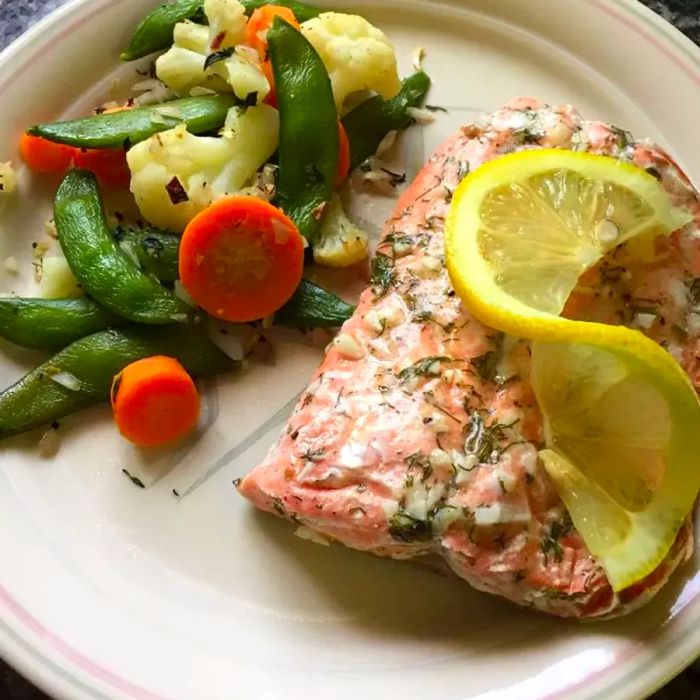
[155, 250]
[90, 364]
[313, 307]
[119, 129]
[106, 273]
[155, 31]
[308, 139]
[371, 121]
[51, 324]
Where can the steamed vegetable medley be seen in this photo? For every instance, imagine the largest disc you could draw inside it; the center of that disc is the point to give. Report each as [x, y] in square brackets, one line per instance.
[256, 116]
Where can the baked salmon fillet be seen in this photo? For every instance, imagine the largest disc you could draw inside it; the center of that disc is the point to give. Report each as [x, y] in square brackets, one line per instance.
[419, 432]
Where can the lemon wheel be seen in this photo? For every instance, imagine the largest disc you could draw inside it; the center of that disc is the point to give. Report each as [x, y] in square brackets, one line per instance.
[621, 418]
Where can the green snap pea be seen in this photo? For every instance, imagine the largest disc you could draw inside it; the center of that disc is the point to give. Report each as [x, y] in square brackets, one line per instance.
[105, 271]
[88, 367]
[51, 324]
[155, 31]
[313, 307]
[120, 129]
[308, 141]
[155, 250]
[371, 121]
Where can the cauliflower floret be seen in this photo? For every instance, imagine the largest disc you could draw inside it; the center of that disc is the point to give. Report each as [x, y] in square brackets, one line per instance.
[340, 242]
[227, 23]
[357, 55]
[243, 72]
[181, 68]
[57, 280]
[199, 169]
[8, 178]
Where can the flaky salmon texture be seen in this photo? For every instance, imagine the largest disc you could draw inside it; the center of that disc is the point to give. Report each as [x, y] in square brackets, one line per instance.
[419, 432]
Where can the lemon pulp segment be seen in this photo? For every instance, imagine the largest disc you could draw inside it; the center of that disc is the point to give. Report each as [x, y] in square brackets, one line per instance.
[621, 418]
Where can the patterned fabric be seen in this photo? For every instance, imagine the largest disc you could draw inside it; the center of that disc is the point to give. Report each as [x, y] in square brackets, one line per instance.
[16, 16]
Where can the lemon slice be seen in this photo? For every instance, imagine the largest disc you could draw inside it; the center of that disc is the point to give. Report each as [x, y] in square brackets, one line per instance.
[621, 418]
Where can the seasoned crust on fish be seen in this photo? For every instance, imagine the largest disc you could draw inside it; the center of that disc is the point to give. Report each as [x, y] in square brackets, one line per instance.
[419, 432]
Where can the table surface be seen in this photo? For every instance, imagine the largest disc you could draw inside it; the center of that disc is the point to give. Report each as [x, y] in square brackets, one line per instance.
[16, 16]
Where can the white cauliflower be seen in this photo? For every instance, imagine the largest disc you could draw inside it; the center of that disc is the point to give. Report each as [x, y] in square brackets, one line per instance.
[8, 178]
[176, 165]
[357, 55]
[181, 68]
[340, 242]
[227, 23]
[243, 72]
[57, 280]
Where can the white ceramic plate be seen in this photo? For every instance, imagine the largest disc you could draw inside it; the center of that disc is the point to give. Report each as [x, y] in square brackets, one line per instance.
[109, 591]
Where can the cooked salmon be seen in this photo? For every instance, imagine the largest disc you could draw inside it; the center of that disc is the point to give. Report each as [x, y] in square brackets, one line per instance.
[419, 432]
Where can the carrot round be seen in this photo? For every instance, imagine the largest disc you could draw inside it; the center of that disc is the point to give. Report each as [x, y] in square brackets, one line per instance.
[256, 36]
[108, 164]
[45, 156]
[260, 22]
[343, 154]
[155, 401]
[241, 259]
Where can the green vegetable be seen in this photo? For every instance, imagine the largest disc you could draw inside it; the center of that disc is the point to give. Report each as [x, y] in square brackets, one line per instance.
[308, 144]
[313, 307]
[107, 273]
[155, 250]
[125, 128]
[382, 274]
[51, 324]
[301, 10]
[88, 367]
[155, 32]
[371, 121]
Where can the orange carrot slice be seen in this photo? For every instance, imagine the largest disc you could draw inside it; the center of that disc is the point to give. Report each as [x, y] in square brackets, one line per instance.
[108, 164]
[241, 258]
[260, 22]
[155, 402]
[45, 156]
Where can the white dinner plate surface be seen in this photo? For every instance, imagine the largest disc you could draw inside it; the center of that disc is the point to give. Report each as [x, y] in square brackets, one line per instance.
[111, 591]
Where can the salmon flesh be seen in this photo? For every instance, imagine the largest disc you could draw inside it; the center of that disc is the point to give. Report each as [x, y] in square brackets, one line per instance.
[419, 432]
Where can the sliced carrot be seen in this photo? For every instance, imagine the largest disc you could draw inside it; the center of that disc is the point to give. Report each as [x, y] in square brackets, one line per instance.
[241, 258]
[108, 164]
[45, 156]
[155, 401]
[260, 22]
[256, 36]
[343, 155]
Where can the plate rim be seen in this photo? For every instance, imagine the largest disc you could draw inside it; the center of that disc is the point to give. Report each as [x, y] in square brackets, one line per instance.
[72, 682]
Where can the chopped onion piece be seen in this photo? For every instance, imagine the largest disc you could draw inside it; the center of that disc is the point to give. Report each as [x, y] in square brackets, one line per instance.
[306, 533]
[422, 116]
[417, 58]
[182, 294]
[49, 443]
[68, 380]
